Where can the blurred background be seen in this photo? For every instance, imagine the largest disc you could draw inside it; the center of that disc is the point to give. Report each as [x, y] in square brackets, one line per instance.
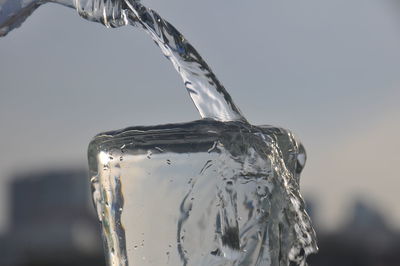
[327, 70]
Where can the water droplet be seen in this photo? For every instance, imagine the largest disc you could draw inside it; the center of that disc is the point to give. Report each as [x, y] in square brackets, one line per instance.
[122, 148]
[229, 186]
[159, 149]
[212, 147]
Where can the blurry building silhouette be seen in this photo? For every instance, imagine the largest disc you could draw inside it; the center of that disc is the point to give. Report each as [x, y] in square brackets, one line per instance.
[52, 221]
[366, 240]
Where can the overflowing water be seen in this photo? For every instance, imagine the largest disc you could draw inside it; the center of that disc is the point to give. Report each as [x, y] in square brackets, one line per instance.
[201, 193]
[217, 191]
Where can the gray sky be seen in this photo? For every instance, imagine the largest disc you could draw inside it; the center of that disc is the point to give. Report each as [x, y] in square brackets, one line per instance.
[328, 70]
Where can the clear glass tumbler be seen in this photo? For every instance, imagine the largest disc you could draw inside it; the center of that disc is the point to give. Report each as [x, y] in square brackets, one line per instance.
[200, 193]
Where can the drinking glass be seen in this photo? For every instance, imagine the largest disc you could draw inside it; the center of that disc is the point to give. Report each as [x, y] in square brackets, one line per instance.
[200, 193]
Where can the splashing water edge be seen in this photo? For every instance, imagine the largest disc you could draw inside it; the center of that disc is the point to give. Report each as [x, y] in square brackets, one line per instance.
[232, 198]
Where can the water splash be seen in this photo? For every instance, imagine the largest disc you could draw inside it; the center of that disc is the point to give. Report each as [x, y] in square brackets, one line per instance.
[245, 199]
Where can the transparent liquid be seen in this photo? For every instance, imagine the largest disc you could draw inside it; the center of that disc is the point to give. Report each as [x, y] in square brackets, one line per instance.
[201, 193]
[206, 91]
[212, 192]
